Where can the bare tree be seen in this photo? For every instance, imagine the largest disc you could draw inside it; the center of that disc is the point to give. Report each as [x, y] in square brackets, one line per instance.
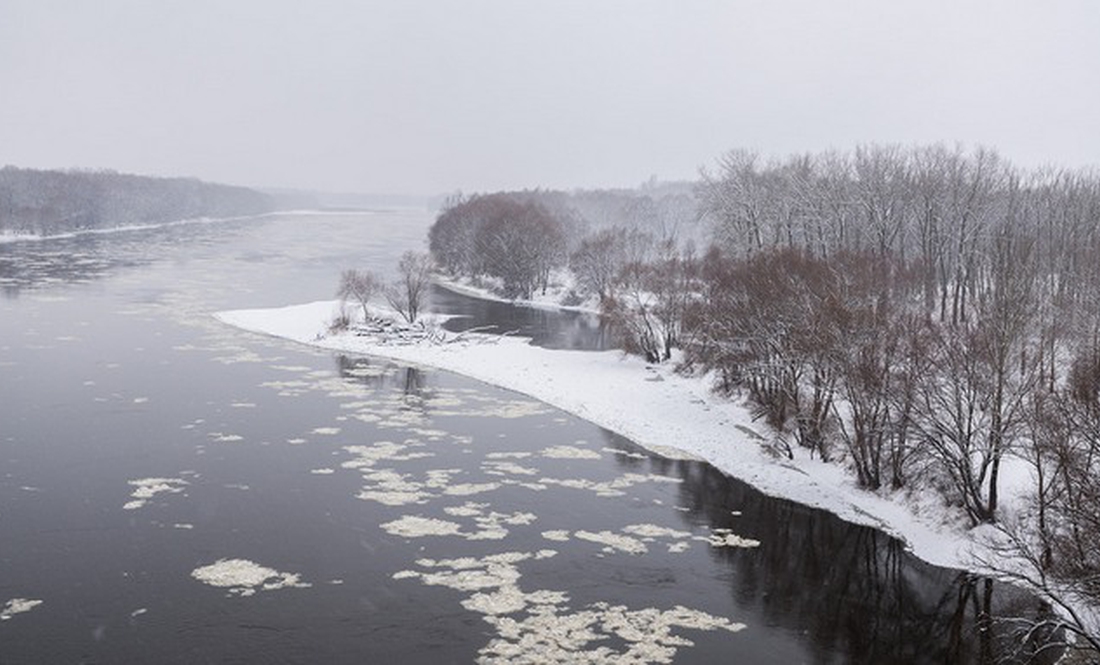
[879, 342]
[651, 304]
[599, 260]
[409, 291]
[520, 243]
[1071, 622]
[973, 405]
[360, 285]
[734, 201]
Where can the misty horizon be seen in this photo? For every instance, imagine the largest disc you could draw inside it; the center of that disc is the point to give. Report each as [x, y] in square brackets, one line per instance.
[424, 99]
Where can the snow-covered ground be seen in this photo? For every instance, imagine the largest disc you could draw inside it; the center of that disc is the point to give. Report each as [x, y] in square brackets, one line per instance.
[669, 414]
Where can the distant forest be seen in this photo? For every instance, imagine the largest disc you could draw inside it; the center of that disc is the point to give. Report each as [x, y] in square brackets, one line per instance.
[51, 202]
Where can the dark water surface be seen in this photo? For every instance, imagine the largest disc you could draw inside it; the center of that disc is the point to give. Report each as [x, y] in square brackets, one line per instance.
[386, 514]
[579, 331]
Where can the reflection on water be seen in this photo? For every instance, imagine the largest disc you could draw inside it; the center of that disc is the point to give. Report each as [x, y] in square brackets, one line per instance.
[852, 593]
[87, 257]
[851, 589]
[549, 329]
[173, 490]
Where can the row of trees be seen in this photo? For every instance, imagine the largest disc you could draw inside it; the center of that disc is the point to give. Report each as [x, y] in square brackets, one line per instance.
[936, 206]
[928, 316]
[510, 237]
[517, 239]
[51, 202]
[839, 356]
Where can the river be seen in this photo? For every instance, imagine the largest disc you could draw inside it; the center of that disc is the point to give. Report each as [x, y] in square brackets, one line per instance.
[173, 490]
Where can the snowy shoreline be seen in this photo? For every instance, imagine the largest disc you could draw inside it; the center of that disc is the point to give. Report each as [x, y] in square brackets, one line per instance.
[7, 237]
[671, 415]
[549, 301]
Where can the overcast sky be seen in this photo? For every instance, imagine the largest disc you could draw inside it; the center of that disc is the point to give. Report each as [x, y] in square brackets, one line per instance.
[428, 97]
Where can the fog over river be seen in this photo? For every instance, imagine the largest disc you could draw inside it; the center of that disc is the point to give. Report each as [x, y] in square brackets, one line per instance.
[173, 490]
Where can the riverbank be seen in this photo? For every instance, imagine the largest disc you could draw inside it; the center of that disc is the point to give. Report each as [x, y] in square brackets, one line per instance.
[558, 293]
[669, 414]
[10, 237]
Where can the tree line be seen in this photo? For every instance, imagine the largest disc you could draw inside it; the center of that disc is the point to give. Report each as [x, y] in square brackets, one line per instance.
[924, 315]
[515, 241]
[50, 202]
[928, 316]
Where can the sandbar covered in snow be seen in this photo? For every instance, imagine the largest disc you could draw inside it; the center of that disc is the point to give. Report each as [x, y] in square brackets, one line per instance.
[670, 414]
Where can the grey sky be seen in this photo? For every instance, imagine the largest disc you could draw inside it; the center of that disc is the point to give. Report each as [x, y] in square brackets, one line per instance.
[426, 97]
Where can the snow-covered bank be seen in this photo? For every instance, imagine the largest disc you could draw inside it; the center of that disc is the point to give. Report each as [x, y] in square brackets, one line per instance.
[664, 412]
[6, 237]
[553, 299]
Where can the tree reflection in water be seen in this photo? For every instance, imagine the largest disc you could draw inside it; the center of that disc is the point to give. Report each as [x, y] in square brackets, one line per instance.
[849, 593]
[382, 374]
[852, 593]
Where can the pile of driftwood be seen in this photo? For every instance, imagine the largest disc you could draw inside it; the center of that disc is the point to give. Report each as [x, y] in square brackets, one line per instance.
[395, 331]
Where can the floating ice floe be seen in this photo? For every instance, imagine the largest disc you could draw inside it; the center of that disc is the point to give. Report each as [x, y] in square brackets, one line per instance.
[473, 405]
[610, 488]
[368, 456]
[288, 388]
[415, 526]
[633, 539]
[726, 538]
[244, 578]
[491, 526]
[539, 626]
[292, 368]
[503, 468]
[18, 606]
[551, 635]
[624, 453]
[569, 452]
[655, 531]
[393, 488]
[613, 541]
[468, 509]
[468, 489]
[507, 455]
[222, 437]
[147, 488]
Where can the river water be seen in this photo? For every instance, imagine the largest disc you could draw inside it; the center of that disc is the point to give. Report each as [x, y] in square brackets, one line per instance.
[176, 491]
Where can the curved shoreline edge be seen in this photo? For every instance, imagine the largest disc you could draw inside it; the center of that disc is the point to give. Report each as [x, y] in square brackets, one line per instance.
[6, 237]
[665, 413]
